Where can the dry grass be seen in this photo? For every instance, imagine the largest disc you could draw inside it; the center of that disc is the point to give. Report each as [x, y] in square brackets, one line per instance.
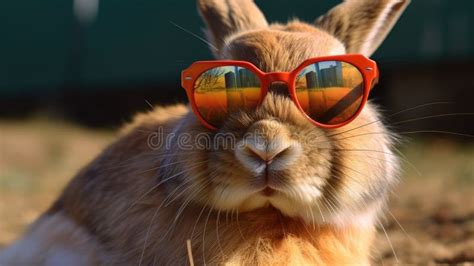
[435, 209]
[37, 158]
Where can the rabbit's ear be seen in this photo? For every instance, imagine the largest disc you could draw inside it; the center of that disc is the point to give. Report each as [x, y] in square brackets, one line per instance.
[362, 25]
[223, 18]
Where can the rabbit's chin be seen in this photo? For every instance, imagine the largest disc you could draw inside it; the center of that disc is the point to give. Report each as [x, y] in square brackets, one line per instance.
[300, 202]
[304, 203]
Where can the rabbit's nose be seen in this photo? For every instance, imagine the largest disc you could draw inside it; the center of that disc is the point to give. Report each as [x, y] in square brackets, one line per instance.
[267, 145]
[265, 152]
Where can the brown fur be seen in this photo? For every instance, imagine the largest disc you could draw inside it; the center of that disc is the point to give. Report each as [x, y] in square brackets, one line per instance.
[376, 18]
[142, 204]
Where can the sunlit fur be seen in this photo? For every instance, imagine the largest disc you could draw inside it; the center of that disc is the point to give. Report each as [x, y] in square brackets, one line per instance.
[141, 204]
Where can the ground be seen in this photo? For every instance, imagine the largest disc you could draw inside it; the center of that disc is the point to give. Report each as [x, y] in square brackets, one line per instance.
[431, 217]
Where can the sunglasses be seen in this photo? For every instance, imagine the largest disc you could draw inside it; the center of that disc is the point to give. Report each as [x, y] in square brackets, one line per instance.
[330, 91]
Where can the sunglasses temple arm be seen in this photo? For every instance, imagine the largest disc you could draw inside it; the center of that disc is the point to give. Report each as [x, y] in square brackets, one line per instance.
[375, 80]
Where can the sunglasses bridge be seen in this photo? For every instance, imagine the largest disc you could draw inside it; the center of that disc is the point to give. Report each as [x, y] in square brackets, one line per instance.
[277, 77]
[277, 82]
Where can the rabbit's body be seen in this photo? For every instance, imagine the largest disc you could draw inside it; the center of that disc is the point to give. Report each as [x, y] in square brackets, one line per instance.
[106, 204]
[139, 204]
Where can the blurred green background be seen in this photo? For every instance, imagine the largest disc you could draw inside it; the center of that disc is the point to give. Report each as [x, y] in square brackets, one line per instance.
[97, 61]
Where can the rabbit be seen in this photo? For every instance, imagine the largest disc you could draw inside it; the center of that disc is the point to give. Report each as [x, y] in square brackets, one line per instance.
[144, 199]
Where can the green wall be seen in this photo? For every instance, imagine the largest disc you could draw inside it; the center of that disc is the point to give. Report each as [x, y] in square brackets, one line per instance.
[134, 43]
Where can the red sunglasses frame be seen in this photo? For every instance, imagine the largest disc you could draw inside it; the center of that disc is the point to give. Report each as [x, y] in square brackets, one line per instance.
[367, 67]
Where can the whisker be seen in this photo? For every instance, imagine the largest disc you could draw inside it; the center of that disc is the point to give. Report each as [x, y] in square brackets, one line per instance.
[359, 150]
[149, 104]
[149, 229]
[363, 160]
[307, 212]
[312, 218]
[175, 221]
[227, 213]
[217, 234]
[238, 225]
[199, 217]
[194, 165]
[401, 227]
[338, 201]
[431, 116]
[203, 186]
[353, 170]
[329, 206]
[437, 132]
[419, 107]
[204, 234]
[282, 225]
[405, 159]
[344, 185]
[321, 212]
[399, 122]
[178, 187]
[147, 234]
[367, 150]
[155, 187]
[183, 206]
[389, 242]
[189, 198]
[305, 225]
[163, 110]
[180, 211]
[407, 133]
[194, 35]
[154, 154]
[131, 159]
[164, 165]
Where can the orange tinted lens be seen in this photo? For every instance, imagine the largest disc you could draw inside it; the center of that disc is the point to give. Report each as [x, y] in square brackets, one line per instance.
[330, 92]
[222, 90]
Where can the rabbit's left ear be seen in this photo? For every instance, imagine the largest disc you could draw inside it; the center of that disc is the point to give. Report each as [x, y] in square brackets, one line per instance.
[362, 25]
[224, 18]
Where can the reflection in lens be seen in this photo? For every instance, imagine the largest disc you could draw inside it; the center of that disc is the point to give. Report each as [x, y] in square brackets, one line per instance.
[330, 92]
[222, 90]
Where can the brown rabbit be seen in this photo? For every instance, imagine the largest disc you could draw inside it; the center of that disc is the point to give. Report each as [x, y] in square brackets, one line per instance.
[139, 202]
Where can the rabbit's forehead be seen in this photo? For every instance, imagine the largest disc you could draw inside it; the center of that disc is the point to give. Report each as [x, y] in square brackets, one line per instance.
[280, 50]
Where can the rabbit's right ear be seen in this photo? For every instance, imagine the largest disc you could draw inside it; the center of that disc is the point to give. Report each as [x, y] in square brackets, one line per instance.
[226, 17]
[362, 25]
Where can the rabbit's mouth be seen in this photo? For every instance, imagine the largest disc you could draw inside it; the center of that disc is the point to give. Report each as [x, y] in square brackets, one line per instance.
[267, 191]
[292, 200]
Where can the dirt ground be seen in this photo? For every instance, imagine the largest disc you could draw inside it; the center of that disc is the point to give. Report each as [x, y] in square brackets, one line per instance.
[431, 217]
[431, 213]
